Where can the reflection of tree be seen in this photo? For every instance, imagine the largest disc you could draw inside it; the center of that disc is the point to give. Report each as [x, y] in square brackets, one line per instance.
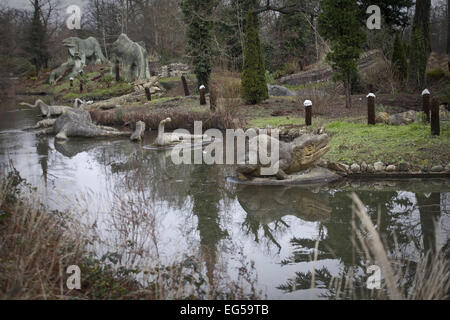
[206, 197]
[429, 208]
[388, 210]
[42, 149]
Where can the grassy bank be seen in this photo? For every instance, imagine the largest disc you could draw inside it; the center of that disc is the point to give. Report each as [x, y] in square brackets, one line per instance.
[358, 142]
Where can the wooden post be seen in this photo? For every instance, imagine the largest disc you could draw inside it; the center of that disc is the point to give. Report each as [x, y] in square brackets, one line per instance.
[81, 87]
[117, 72]
[185, 86]
[371, 108]
[308, 112]
[202, 95]
[212, 98]
[426, 104]
[148, 93]
[435, 126]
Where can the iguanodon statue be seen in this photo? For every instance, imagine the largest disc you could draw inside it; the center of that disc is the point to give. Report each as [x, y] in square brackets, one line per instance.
[81, 52]
[295, 156]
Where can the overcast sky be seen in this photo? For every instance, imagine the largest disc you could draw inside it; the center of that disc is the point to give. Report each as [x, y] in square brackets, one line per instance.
[25, 4]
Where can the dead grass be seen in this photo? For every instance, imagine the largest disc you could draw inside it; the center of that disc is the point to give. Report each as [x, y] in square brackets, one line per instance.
[431, 280]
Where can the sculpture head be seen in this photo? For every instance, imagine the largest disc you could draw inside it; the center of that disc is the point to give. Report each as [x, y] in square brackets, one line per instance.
[309, 148]
[72, 45]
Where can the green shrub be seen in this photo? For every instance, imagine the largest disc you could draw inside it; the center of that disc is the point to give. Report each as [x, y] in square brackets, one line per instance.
[436, 74]
[287, 69]
[108, 79]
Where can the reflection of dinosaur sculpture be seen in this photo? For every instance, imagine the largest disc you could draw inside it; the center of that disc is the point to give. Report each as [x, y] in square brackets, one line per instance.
[295, 156]
[81, 52]
[168, 139]
[269, 204]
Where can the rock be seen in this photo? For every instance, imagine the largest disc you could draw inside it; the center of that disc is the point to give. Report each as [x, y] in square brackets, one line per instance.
[391, 168]
[370, 168]
[379, 166]
[174, 70]
[363, 166]
[398, 118]
[437, 168]
[403, 166]
[322, 163]
[447, 167]
[355, 168]
[382, 117]
[336, 166]
[280, 91]
[139, 132]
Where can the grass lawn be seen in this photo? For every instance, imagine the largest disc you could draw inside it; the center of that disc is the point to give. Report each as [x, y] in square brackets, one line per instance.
[357, 142]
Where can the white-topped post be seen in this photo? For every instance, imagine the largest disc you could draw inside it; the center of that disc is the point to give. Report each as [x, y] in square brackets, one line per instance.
[308, 112]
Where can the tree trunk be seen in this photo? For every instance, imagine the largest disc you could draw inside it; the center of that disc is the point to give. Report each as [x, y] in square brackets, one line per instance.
[420, 45]
[348, 95]
[448, 34]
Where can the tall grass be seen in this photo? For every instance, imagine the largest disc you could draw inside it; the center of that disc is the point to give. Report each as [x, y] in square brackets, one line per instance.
[430, 278]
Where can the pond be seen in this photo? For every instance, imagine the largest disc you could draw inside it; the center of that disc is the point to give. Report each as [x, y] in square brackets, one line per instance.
[140, 206]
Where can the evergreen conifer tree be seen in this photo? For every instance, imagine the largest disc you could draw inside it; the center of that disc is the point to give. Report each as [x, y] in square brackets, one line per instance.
[399, 62]
[254, 86]
[338, 22]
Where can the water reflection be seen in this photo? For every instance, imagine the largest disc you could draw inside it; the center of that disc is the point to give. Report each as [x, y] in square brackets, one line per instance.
[148, 210]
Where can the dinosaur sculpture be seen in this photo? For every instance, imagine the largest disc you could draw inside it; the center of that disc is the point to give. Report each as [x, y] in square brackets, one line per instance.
[169, 139]
[51, 111]
[131, 57]
[81, 52]
[46, 110]
[78, 123]
[295, 156]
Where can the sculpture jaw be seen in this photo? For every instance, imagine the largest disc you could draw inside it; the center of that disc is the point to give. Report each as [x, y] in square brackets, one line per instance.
[310, 151]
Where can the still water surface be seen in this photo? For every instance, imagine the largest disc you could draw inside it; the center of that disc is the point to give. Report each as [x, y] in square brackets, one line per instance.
[137, 203]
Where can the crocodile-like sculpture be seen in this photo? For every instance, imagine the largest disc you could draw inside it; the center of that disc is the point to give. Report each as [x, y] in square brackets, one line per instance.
[169, 139]
[295, 156]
